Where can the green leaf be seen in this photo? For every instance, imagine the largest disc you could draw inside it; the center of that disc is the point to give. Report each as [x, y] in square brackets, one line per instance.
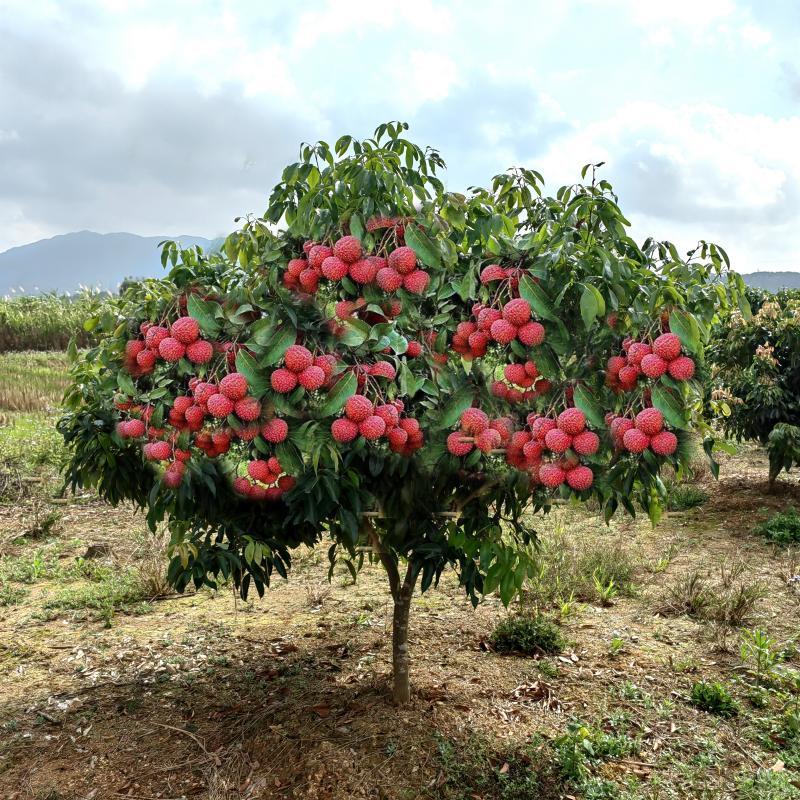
[204, 311]
[537, 297]
[685, 326]
[356, 332]
[585, 401]
[125, 384]
[592, 305]
[257, 380]
[669, 405]
[337, 396]
[278, 344]
[454, 408]
[421, 244]
[356, 227]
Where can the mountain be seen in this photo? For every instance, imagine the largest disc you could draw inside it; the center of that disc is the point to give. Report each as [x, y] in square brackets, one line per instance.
[85, 258]
[773, 281]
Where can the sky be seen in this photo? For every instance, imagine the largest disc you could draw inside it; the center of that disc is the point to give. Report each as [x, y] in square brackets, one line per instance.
[169, 117]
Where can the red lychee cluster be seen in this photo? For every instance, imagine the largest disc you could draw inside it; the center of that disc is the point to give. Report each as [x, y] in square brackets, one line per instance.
[380, 223]
[265, 480]
[651, 360]
[302, 367]
[493, 273]
[477, 430]
[180, 340]
[646, 430]
[501, 325]
[346, 259]
[362, 418]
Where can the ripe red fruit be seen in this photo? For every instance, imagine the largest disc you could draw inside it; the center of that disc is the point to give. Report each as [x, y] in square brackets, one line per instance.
[286, 483]
[316, 255]
[155, 335]
[580, 478]
[499, 389]
[410, 426]
[551, 475]
[219, 406]
[619, 426]
[542, 386]
[241, 486]
[557, 440]
[398, 438]
[194, 417]
[586, 443]
[309, 280]
[283, 380]
[615, 364]
[414, 350]
[257, 493]
[348, 248]
[181, 403]
[259, 471]
[373, 427]
[173, 477]
[653, 366]
[296, 266]
[363, 271]
[171, 349]
[457, 446]
[186, 330]
[628, 377]
[682, 368]
[488, 440]
[357, 408]
[160, 451]
[493, 272]
[532, 450]
[650, 421]
[200, 352]
[247, 409]
[389, 414]
[474, 421]
[275, 431]
[221, 440]
[517, 312]
[297, 358]
[571, 421]
[664, 443]
[515, 373]
[344, 430]
[635, 441]
[233, 386]
[388, 279]
[311, 378]
[133, 347]
[383, 369]
[541, 426]
[637, 351]
[416, 282]
[403, 259]
[668, 346]
[503, 331]
[334, 269]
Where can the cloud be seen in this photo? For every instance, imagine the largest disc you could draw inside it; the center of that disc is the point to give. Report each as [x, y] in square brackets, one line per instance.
[698, 172]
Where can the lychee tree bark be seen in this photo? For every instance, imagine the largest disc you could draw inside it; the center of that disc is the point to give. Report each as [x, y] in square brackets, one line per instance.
[407, 373]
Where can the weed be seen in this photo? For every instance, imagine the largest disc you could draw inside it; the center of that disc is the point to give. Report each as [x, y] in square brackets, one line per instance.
[529, 634]
[713, 697]
[782, 528]
[684, 496]
[11, 595]
[766, 785]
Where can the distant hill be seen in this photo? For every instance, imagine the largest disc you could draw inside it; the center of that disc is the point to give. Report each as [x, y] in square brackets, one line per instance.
[85, 258]
[773, 281]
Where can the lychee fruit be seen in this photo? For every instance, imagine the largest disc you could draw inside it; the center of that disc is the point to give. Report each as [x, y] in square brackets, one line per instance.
[503, 331]
[259, 471]
[247, 409]
[219, 406]
[653, 366]
[309, 280]
[637, 351]
[388, 279]
[383, 369]
[186, 330]
[557, 440]
[357, 408]
[650, 421]
[316, 255]
[389, 414]
[628, 376]
[171, 349]
[155, 335]
[551, 475]
[373, 427]
[668, 346]
[234, 386]
[334, 269]
[517, 312]
[275, 430]
[474, 421]
[414, 350]
[348, 249]
[416, 282]
[580, 478]
[664, 443]
[635, 441]
[616, 364]
[681, 368]
[586, 443]
[488, 440]
[283, 380]
[571, 421]
[312, 378]
[200, 352]
[492, 272]
[363, 271]
[194, 417]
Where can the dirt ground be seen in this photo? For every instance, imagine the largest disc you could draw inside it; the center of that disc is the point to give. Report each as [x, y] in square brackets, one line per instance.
[202, 696]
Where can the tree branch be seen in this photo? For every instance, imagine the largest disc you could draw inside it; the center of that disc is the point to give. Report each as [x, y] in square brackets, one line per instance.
[477, 493]
[389, 564]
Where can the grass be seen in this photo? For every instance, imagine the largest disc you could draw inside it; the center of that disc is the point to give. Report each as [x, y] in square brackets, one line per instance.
[32, 381]
[713, 697]
[528, 634]
[684, 496]
[49, 321]
[767, 785]
[782, 528]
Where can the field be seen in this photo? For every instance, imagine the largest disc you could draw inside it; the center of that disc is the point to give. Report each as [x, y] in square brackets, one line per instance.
[115, 687]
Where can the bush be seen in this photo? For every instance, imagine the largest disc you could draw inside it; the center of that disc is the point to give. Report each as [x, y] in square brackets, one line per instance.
[683, 496]
[767, 785]
[528, 634]
[782, 528]
[713, 697]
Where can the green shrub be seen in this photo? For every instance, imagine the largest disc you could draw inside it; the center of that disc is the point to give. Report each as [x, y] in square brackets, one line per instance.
[767, 785]
[713, 697]
[782, 528]
[530, 634]
[683, 496]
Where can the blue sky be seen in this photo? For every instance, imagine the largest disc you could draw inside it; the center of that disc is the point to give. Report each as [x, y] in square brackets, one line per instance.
[175, 117]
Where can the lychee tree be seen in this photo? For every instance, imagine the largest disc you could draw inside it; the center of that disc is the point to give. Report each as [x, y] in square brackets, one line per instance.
[406, 373]
[756, 361]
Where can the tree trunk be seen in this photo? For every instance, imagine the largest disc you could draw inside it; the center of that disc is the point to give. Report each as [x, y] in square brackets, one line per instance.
[400, 663]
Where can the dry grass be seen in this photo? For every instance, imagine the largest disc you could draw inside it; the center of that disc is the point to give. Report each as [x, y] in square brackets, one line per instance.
[32, 381]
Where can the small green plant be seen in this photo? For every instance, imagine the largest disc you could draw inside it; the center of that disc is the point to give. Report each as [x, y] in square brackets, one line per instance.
[605, 588]
[713, 697]
[616, 646]
[767, 785]
[582, 747]
[531, 634]
[684, 496]
[760, 653]
[11, 595]
[782, 528]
